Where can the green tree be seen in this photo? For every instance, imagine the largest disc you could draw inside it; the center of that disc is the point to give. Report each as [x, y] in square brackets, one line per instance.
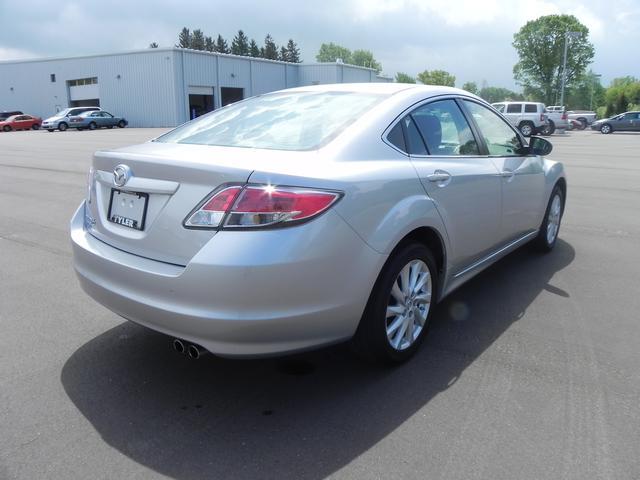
[402, 77]
[471, 87]
[364, 58]
[221, 45]
[330, 52]
[197, 39]
[293, 51]
[240, 44]
[540, 45]
[184, 38]
[270, 49]
[153, 45]
[587, 93]
[254, 50]
[622, 95]
[498, 94]
[209, 44]
[437, 77]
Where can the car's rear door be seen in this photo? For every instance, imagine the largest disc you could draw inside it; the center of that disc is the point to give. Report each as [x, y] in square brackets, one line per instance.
[521, 176]
[464, 185]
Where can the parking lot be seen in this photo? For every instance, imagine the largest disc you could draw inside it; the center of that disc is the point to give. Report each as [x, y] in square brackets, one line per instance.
[531, 370]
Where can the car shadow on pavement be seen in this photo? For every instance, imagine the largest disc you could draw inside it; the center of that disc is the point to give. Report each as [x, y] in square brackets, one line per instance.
[304, 416]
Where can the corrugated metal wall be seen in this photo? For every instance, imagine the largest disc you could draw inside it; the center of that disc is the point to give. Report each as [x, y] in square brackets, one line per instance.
[138, 86]
[150, 87]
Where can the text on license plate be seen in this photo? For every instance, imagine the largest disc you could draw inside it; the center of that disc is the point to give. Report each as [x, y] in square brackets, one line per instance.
[128, 209]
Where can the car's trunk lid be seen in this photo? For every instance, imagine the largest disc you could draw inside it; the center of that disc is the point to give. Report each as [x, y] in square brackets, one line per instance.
[172, 179]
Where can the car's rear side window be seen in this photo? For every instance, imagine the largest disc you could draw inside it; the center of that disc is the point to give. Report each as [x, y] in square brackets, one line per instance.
[302, 120]
[514, 108]
[415, 144]
[396, 137]
[530, 108]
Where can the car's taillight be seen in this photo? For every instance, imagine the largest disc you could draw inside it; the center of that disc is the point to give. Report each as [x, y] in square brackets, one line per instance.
[543, 117]
[565, 116]
[260, 206]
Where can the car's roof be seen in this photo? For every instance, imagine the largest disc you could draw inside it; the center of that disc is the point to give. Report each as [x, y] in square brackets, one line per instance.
[382, 88]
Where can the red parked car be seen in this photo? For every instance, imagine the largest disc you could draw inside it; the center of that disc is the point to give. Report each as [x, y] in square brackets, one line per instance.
[20, 122]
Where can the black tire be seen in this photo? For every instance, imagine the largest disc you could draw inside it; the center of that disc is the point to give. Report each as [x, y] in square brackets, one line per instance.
[526, 128]
[35, 126]
[606, 128]
[371, 340]
[93, 126]
[121, 124]
[542, 242]
[583, 123]
[6, 128]
[62, 126]
[548, 129]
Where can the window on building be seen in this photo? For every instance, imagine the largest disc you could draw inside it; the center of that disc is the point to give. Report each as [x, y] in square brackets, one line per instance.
[53, 78]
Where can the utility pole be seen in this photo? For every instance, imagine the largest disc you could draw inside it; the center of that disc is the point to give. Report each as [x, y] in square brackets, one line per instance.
[567, 35]
[594, 78]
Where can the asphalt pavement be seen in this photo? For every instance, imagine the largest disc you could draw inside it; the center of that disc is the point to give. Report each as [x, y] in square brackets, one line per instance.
[531, 370]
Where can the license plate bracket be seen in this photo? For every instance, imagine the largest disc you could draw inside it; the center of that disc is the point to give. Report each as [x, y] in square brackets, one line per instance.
[128, 209]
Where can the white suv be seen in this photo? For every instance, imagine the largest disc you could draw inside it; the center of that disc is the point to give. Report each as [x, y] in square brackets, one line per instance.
[529, 117]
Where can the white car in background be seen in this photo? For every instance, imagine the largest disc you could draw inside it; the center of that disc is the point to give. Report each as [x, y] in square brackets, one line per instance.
[528, 117]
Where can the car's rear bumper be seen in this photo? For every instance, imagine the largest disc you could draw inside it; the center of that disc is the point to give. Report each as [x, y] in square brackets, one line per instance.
[245, 293]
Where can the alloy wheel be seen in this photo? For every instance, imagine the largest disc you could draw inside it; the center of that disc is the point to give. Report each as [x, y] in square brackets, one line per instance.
[553, 220]
[408, 305]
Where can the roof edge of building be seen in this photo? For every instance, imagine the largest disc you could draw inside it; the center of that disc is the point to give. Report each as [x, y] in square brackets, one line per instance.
[177, 49]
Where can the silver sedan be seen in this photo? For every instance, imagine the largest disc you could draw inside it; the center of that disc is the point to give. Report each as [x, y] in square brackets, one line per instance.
[311, 216]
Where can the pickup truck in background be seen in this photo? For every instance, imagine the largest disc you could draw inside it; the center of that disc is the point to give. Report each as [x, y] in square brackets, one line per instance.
[557, 118]
[583, 116]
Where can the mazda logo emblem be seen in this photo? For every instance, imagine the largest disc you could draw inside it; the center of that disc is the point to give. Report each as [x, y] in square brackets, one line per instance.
[121, 175]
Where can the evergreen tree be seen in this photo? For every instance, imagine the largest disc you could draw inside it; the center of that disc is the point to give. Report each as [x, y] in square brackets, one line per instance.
[197, 40]
[254, 50]
[240, 44]
[293, 52]
[184, 38]
[221, 45]
[209, 46]
[284, 54]
[270, 49]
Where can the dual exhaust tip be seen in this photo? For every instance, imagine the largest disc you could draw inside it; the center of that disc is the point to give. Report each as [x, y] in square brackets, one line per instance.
[191, 350]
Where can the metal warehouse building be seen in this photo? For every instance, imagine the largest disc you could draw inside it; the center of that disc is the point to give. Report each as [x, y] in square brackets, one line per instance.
[160, 87]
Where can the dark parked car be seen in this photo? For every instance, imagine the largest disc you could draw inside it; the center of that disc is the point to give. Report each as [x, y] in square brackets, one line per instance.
[625, 122]
[93, 120]
[20, 122]
[7, 114]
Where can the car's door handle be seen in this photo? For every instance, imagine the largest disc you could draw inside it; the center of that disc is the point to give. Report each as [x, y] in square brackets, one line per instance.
[439, 176]
[507, 173]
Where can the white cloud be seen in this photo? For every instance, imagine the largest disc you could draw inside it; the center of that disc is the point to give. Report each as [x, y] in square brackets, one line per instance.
[7, 53]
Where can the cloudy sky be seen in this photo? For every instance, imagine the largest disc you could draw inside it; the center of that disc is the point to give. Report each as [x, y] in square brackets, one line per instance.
[469, 38]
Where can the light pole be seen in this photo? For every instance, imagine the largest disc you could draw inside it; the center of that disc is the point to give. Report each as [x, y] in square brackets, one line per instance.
[594, 78]
[567, 35]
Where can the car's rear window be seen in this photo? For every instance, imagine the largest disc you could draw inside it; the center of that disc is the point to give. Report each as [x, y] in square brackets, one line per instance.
[280, 121]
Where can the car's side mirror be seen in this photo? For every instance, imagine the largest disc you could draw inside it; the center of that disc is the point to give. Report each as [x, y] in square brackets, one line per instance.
[540, 146]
